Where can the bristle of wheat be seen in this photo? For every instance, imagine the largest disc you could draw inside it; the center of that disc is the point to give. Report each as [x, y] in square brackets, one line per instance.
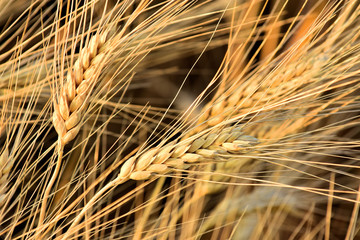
[127, 167]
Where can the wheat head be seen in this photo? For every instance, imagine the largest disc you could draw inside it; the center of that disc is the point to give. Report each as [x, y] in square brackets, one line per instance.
[205, 147]
[74, 95]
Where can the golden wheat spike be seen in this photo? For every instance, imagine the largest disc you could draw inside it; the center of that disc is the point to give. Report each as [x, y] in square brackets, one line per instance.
[198, 150]
[74, 95]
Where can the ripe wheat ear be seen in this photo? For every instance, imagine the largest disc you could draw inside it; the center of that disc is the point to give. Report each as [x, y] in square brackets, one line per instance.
[75, 93]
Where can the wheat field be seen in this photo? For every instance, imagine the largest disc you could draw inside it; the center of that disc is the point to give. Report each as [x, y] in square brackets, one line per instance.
[179, 119]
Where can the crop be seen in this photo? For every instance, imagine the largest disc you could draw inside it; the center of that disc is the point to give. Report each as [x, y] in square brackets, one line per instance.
[144, 119]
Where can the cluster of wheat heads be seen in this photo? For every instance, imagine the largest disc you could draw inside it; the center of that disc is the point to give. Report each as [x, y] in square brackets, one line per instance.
[144, 119]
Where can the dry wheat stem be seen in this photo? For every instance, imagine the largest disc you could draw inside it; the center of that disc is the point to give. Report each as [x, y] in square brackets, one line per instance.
[73, 101]
[160, 160]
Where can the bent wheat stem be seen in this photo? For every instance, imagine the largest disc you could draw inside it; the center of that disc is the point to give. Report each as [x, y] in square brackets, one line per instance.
[60, 148]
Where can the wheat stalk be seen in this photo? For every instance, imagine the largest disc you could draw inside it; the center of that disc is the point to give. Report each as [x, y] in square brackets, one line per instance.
[164, 159]
[72, 102]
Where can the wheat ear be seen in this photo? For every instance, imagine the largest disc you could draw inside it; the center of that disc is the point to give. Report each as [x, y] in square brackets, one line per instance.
[75, 93]
[218, 145]
[256, 91]
[73, 99]
[207, 147]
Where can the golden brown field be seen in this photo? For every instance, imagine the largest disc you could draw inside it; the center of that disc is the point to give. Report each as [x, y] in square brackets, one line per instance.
[179, 119]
